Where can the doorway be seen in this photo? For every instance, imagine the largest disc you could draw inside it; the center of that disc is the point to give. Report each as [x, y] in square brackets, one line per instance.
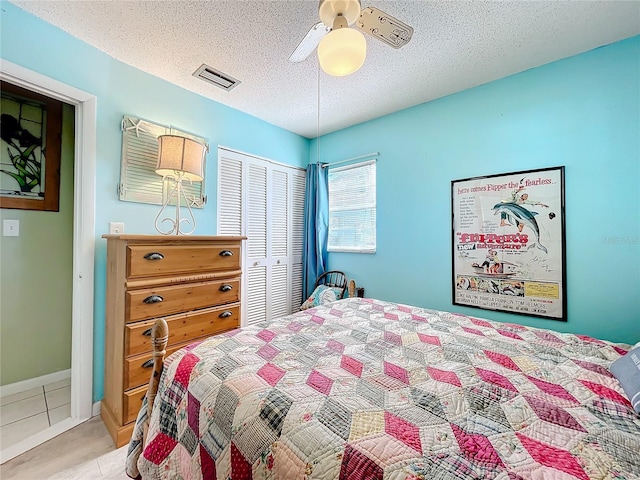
[81, 375]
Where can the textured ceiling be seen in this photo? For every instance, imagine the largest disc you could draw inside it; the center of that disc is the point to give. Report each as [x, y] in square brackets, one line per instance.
[456, 45]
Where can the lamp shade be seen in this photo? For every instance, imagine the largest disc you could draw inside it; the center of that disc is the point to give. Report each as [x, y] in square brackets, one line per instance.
[180, 154]
[342, 52]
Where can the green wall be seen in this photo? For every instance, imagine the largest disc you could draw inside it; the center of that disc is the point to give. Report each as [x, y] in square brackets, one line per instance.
[36, 281]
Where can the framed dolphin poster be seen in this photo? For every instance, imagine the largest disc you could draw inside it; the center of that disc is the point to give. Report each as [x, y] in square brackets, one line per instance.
[508, 243]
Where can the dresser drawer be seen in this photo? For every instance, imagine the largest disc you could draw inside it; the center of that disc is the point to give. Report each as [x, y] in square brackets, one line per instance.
[182, 328]
[160, 260]
[137, 370]
[131, 403]
[161, 301]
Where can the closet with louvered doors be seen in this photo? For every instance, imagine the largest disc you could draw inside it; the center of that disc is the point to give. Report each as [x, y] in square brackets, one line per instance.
[264, 201]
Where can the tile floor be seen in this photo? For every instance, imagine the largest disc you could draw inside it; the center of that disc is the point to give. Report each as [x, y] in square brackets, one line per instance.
[27, 413]
[85, 452]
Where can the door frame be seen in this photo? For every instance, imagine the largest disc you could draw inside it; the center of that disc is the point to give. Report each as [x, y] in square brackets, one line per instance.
[83, 247]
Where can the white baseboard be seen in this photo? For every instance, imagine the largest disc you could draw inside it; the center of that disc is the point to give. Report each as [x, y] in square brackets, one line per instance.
[30, 383]
[95, 411]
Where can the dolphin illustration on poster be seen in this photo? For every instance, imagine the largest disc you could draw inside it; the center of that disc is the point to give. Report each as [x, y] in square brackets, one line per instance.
[521, 217]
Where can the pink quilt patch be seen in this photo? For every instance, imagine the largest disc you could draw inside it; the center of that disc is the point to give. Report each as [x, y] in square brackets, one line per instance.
[240, 468]
[406, 432]
[295, 326]
[207, 464]
[552, 457]
[193, 413]
[477, 447]
[605, 392]
[418, 318]
[268, 352]
[553, 414]
[594, 367]
[553, 389]
[159, 448]
[509, 334]
[335, 346]
[357, 466]
[266, 335]
[444, 376]
[397, 372]
[433, 340]
[501, 359]
[480, 323]
[496, 379]
[271, 373]
[351, 365]
[319, 382]
[391, 316]
[472, 330]
[317, 319]
[183, 372]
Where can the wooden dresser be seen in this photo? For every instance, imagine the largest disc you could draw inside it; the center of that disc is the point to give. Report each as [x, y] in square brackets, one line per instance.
[193, 282]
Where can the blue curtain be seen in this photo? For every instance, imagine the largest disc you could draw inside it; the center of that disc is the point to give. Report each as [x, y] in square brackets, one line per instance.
[316, 224]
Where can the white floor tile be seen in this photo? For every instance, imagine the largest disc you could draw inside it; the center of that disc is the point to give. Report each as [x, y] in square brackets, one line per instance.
[56, 398]
[60, 413]
[22, 409]
[17, 431]
[56, 385]
[20, 396]
[86, 471]
[112, 464]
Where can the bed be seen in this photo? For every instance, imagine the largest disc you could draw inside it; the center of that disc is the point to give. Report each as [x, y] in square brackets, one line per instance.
[366, 389]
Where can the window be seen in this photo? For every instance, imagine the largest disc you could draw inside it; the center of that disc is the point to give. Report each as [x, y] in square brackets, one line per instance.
[352, 208]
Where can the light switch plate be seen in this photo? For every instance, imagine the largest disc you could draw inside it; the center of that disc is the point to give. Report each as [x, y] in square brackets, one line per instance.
[11, 228]
[116, 228]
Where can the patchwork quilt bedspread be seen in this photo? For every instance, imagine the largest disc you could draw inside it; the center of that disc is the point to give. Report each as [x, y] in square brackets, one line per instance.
[365, 389]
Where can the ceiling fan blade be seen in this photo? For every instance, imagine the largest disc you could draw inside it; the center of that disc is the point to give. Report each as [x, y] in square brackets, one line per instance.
[384, 27]
[309, 42]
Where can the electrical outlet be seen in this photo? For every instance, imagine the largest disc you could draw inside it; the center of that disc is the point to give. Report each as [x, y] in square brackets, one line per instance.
[116, 228]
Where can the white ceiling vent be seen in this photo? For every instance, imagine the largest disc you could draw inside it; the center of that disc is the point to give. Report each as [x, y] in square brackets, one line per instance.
[216, 77]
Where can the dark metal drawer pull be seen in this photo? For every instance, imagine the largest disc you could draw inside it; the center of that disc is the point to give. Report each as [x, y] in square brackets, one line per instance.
[147, 364]
[147, 332]
[226, 287]
[153, 256]
[225, 314]
[153, 299]
[226, 253]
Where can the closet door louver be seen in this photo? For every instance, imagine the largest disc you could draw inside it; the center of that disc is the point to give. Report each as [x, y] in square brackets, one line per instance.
[298, 181]
[279, 243]
[256, 266]
[264, 202]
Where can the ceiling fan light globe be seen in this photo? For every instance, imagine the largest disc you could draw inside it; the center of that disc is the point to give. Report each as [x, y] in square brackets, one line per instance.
[330, 9]
[342, 52]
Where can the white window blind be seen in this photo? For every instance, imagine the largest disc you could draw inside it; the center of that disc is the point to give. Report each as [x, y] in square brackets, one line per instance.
[139, 181]
[352, 208]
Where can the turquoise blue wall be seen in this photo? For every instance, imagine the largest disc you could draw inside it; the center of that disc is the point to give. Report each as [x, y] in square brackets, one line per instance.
[120, 89]
[582, 112]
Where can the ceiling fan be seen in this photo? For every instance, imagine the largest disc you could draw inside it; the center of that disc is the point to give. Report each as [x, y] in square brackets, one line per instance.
[342, 50]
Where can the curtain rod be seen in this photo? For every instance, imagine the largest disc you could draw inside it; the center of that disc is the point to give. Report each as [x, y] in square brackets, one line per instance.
[368, 155]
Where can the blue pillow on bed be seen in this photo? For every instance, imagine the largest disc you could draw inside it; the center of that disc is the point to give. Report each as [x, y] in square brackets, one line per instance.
[627, 370]
[321, 295]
